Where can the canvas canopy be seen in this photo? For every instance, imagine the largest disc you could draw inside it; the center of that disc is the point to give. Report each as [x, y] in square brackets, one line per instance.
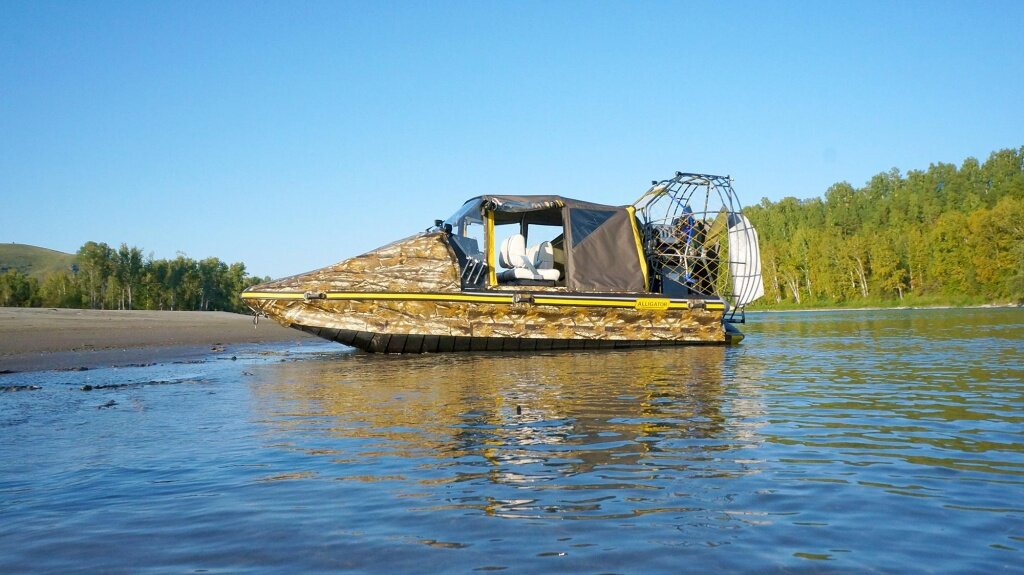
[601, 243]
[521, 204]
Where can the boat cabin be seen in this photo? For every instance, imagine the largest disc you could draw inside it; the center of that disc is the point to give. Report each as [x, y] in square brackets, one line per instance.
[549, 243]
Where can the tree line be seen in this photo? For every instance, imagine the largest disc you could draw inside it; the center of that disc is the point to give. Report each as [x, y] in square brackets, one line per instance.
[107, 278]
[941, 235]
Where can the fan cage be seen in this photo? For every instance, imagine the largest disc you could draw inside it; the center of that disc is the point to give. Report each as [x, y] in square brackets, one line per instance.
[688, 223]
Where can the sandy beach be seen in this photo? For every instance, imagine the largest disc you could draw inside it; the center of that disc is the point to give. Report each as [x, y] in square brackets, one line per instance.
[33, 339]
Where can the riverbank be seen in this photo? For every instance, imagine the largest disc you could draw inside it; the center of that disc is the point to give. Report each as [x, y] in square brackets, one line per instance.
[37, 339]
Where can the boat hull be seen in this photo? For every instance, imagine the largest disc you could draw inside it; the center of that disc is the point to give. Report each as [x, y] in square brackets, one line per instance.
[399, 323]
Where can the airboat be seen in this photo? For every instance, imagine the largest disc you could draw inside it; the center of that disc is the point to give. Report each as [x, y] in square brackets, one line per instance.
[523, 273]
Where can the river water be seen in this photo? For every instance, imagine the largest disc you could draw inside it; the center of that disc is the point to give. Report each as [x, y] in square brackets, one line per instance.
[832, 442]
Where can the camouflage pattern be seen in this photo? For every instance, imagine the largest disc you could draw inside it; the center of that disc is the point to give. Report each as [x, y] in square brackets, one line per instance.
[470, 319]
[420, 263]
[425, 264]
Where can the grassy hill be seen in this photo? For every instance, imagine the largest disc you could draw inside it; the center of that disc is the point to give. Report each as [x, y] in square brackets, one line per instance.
[33, 261]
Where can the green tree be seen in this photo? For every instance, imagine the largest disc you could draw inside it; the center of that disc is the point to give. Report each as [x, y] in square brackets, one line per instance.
[209, 271]
[60, 289]
[129, 268]
[95, 267]
[996, 244]
[888, 274]
[18, 290]
[177, 271]
[950, 259]
[154, 275]
[841, 209]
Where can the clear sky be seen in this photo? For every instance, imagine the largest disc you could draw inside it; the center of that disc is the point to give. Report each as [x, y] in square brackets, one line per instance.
[291, 135]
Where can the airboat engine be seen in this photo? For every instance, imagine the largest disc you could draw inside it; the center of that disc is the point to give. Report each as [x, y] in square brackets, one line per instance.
[698, 242]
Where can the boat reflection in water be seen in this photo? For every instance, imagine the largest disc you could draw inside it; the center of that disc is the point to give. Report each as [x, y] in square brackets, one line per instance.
[581, 434]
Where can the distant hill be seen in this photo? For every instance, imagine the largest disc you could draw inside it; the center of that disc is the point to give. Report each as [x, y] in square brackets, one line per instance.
[32, 260]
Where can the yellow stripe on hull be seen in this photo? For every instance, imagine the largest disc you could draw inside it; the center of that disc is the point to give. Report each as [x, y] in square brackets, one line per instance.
[618, 302]
[503, 298]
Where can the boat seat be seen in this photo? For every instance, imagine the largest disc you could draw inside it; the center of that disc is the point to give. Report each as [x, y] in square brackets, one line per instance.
[542, 255]
[522, 264]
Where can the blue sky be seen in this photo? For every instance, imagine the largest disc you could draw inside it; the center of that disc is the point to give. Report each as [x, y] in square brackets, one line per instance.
[291, 135]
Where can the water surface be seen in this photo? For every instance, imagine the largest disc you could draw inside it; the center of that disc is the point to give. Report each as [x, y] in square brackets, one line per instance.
[888, 442]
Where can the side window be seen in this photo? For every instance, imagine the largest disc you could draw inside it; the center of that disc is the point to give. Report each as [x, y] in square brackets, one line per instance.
[537, 234]
[536, 255]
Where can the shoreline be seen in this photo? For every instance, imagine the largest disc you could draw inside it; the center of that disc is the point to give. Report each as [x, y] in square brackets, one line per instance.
[45, 339]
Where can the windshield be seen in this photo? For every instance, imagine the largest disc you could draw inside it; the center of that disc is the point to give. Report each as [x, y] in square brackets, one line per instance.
[467, 215]
[467, 239]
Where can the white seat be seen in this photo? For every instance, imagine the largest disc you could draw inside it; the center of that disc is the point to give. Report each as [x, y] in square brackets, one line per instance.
[533, 264]
[513, 252]
[542, 255]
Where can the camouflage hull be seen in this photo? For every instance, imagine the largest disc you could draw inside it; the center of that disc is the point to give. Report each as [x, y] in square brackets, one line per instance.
[407, 298]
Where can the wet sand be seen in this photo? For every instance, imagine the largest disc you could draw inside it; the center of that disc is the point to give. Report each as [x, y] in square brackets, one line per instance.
[33, 339]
